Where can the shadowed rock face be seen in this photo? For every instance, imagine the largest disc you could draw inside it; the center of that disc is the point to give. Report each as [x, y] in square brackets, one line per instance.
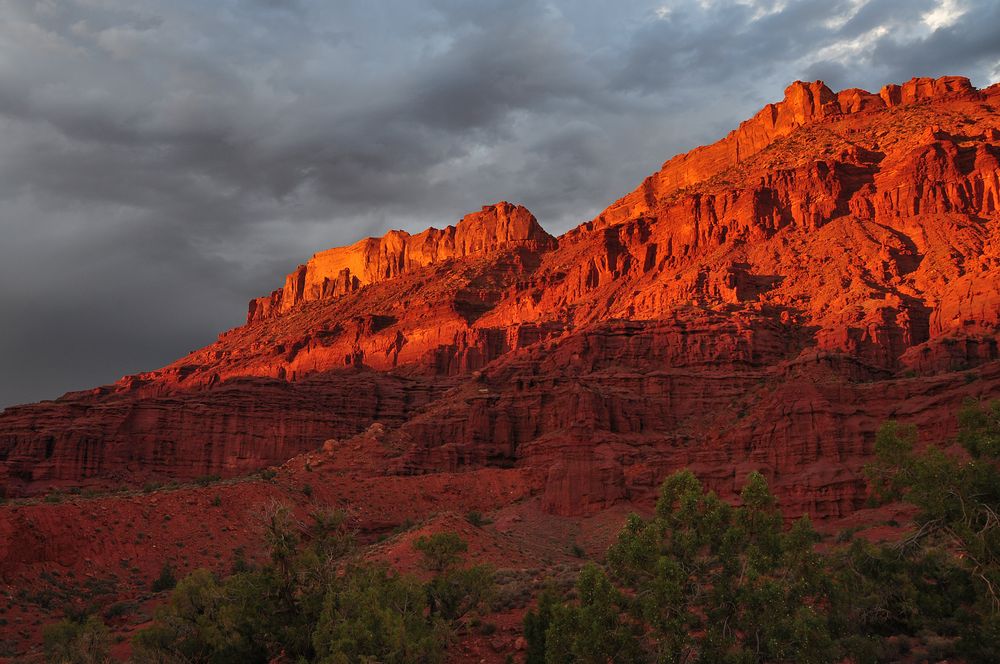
[764, 302]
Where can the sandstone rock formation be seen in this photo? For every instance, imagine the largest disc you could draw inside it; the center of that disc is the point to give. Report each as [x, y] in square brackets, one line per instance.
[760, 303]
[343, 270]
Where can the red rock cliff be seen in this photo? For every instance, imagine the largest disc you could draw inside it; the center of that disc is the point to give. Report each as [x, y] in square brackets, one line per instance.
[804, 104]
[343, 270]
[760, 303]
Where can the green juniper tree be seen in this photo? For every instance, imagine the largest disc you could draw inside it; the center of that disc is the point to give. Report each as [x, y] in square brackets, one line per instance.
[700, 581]
[945, 576]
[453, 591]
[85, 641]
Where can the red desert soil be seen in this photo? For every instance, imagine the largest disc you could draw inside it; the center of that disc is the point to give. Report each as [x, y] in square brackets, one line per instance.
[763, 303]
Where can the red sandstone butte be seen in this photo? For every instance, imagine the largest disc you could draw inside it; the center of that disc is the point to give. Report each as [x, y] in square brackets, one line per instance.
[764, 302]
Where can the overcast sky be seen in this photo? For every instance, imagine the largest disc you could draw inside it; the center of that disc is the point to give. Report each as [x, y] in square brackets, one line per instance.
[163, 161]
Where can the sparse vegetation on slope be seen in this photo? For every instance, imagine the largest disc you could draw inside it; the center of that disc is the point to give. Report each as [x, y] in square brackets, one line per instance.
[705, 581]
[313, 602]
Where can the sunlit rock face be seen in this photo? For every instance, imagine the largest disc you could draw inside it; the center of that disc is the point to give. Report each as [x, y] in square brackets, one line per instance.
[343, 270]
[764, 302]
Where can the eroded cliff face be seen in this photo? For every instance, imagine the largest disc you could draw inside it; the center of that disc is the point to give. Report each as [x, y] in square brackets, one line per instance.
[343, 270]
[761, 303]
[108, 437]
[804, 104]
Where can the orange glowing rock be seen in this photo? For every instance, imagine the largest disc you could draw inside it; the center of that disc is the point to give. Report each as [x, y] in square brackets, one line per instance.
[763, 302]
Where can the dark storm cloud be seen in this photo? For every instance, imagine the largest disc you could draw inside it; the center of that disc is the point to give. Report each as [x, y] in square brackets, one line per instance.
[162, 162]
[971, 45]
[722, 42]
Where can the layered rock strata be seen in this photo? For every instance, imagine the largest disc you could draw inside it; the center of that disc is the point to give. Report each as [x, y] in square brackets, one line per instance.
[760, 303]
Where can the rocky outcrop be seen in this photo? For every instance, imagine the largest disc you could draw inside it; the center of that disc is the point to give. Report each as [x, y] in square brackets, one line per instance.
[940, 176]
[343, 270]
[924, 89]
[804, 104]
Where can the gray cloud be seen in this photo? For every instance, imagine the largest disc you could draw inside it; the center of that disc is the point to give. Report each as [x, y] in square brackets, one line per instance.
[163, 162]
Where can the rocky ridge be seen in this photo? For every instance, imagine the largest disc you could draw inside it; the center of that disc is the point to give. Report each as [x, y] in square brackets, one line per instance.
[343, 270]
[763, 302]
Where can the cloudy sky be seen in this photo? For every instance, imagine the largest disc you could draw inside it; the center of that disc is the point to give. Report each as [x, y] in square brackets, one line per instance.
[163, 161]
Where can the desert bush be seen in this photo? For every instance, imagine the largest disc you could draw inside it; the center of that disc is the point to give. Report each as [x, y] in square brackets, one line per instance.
[166, 580]
[72, 642]
[477, 519]
[441, 551]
